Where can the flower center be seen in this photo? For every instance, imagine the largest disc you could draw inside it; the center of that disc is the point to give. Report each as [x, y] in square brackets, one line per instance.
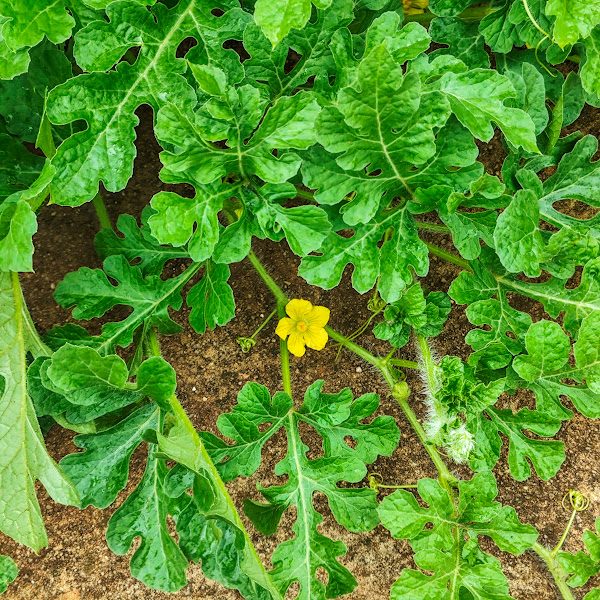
[301, 326]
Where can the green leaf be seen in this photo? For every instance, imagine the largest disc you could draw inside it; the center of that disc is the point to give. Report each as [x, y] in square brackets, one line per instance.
[287, 124]
[212, 504]
[427, 315]
[518, 240]
[27, 23]
[211, 299]
[450, 547]
[574, 19]
[313, 43]
[137, 244]
[177, 220]
[22, 99]
[17, 226]
[158, 562]
[478, 97]
[546, 456]
[12, 62]
[8, 572]
[92, 294]
[108, 100]
[393, 263]
[582, 566]
[545, 367]
[464, 41]
[334, 417]
[23, 454]
[98, 385]
[102, 470]
[590, 70]
[448, 8]
[277, 17]
[18, 168]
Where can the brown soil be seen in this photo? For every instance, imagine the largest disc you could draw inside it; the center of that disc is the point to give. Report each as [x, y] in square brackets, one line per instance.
[77, 564]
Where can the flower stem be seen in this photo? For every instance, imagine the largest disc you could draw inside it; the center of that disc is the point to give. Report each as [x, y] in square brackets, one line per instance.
[407, 364]
[457, 260]
[264, 324]
[101, 212]
[555, 569]
[182, 417]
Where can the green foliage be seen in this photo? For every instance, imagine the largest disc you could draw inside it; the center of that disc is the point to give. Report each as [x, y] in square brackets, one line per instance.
[450, 547]
[8, 572]
[581, 566]
[337, 128]
[334, 417]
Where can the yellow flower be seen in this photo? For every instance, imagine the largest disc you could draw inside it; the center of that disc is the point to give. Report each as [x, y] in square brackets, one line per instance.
[305, 325]
[413, 7]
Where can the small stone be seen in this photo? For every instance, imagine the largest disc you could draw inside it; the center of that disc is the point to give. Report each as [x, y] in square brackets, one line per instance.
[194, 389]
[359, 369]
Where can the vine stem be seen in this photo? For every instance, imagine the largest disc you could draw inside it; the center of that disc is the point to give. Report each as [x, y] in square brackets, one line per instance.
[557, 572]
[101, 211]
[457, 260]
[399, 390]
[181, 415]
[470, 14]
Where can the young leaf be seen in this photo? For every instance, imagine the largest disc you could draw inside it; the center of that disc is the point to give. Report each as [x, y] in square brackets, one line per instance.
[450, 548]
[574, 19]
[582, 566]
[8, 572]
[334, 417]
[23, 457]
[277, 17]
[108, 100]
[211, 299]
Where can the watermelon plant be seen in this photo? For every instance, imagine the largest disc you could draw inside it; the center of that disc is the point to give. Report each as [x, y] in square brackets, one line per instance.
[351, 131]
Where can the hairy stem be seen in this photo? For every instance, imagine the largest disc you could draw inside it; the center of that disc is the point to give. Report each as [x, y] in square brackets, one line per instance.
[182, 417]
[102, 212]
[399, 390]
[555, 569]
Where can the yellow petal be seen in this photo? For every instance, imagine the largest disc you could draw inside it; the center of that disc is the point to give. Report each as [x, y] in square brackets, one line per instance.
[296, 344]
[316, 337]
[319, 316]
[298, 309]
[284, 327]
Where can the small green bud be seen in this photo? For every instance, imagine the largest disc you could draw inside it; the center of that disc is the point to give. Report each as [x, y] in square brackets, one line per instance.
[246, 344]
[401, 390]
[376, 303]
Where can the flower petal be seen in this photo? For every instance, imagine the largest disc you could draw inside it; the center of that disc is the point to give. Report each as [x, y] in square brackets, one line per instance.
[296, 344]
[298, 309]
[284, 327]
[316, 337]
[319, 315]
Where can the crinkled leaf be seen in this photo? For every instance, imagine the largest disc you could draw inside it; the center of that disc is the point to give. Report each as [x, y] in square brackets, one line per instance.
[108, 100]
[23, 456]
[545, 367]
[463, 38]
[102, 470]
[18, 168]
